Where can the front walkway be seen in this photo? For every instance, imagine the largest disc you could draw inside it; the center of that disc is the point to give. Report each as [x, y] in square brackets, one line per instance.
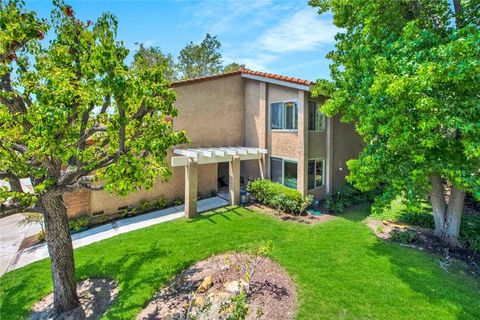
[30, 255]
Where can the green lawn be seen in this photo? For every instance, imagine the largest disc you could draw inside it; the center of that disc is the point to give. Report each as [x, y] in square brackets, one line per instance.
[340, 268]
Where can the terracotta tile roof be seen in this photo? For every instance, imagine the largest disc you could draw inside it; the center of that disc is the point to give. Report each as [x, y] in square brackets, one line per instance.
[276, 77]
[245, 71]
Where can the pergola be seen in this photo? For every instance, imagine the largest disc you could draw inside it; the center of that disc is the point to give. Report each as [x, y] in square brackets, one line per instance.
[190, 158]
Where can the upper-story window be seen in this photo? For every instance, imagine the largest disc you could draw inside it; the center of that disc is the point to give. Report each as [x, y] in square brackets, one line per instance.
[316, 119]
[284, 115]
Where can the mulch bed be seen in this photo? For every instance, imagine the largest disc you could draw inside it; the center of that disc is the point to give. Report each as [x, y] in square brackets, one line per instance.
[425, 240]
[306, 219]
[95, 294]
[272, 293]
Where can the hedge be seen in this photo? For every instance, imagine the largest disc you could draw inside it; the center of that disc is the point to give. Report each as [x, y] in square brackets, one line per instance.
[278, 196]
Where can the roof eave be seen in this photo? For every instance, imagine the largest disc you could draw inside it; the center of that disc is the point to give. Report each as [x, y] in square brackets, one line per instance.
[288, 84]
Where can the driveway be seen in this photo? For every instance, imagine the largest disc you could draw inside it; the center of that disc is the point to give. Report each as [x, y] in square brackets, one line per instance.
[11, 236]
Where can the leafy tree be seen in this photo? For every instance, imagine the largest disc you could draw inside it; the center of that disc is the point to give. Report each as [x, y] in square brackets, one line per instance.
[407, 73]
[153, 57]
[233, 67]
[74, 115]
[200, 60]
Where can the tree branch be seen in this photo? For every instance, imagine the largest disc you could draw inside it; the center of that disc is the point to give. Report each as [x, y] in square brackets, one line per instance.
[13, 180]
[15, 105]
[457, 6]
[6, 210]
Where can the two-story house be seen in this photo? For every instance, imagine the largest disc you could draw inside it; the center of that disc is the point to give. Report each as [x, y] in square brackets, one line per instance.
[304, 149]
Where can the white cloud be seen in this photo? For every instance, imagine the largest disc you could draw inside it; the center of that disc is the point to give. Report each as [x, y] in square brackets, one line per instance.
[223, 16]
[304, 31]
[258, 62]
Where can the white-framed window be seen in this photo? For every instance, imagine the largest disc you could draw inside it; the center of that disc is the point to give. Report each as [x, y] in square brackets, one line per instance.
[316, 119]
[316, 173]
[284, 115]
[284, 171]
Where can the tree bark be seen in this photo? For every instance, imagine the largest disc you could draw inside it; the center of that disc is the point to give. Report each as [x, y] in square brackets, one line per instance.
[59, 242]
[447, 217]
[439, 205]
[454, 216]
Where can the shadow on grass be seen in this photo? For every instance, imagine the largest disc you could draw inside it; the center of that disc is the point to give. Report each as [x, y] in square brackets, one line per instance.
[126, 269]
[357, 213]
[221, 212]
[422, 272]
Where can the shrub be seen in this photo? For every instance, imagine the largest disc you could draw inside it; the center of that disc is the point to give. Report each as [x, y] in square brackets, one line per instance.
[421, 219]
[41, 235]
[160, 203]
[346, 196]
[407, 236]
[177, 202]
[145, 205]
[278, 196]
[471, 201]
[78, 223]
[470, 233]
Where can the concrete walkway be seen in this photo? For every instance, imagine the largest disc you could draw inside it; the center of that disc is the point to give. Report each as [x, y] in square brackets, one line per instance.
[11, 236]
[29, 255]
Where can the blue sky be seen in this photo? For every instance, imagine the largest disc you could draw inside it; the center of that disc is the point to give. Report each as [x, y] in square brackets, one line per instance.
[281, 36]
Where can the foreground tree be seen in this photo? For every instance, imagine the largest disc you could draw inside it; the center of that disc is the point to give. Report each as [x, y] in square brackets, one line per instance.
[153, 57]
[74, 115]
[200, 60]
[407, 73]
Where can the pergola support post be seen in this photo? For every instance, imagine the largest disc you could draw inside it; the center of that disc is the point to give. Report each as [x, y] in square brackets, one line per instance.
[234, 180]
[191, 178]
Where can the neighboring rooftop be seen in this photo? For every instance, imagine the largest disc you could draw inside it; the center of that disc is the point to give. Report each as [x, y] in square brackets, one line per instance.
[248, 74]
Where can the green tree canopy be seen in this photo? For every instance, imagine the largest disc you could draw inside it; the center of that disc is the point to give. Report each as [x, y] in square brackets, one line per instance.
[407, 73]
[200, 60]
[74, 115]
[233, 67]
[153, 57]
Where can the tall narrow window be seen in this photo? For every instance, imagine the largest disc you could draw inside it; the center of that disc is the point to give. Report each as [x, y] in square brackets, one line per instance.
[277, 115]
[316, 119]
[311, 174]
[284, 115]
[316, 173]
[290, 174]
[284, 171]
[276, 170]
[290, 115]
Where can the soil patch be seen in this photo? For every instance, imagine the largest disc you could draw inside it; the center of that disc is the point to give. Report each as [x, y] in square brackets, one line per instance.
[424, 239]
[95, 294]
[30, 242]
[308, 218]
[211, 282]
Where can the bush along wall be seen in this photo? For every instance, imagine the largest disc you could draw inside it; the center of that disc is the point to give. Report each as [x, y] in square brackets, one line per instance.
[347, 196]
[278, 196]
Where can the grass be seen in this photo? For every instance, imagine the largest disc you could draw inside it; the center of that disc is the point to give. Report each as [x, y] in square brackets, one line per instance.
[340, 268]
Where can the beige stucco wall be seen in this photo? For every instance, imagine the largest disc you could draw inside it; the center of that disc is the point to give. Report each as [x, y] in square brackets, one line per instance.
[212, 112]
[174, 187]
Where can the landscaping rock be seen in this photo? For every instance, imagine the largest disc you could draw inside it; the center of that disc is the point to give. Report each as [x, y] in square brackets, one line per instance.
[236, 286]
[206, 284]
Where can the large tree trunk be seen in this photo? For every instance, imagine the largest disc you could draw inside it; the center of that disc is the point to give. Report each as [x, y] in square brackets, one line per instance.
[65, 298]
[447, 216]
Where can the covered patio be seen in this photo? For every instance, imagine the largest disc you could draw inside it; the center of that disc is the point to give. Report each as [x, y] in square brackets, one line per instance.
[191, 158]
